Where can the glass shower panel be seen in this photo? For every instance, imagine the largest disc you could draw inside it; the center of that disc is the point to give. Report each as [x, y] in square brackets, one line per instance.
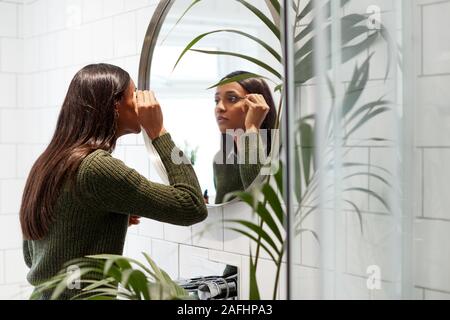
[355, 183]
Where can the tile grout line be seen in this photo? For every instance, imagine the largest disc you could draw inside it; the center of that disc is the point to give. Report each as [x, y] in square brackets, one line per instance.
[422, 205]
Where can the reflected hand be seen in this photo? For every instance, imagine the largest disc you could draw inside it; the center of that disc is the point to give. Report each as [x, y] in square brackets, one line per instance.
[134, 220]
[257, 109]
[149, 113]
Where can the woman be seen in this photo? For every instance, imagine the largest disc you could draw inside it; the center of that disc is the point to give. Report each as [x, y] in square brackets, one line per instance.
[78, 199]
[244, 106]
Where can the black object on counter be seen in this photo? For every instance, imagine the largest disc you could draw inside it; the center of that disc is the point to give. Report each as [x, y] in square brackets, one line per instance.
[214, 287]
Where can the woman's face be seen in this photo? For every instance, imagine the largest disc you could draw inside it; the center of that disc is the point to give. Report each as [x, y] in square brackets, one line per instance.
[128, 116]
[230, 106]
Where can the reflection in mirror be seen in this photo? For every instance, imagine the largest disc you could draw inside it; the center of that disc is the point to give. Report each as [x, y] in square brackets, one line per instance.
[245, 114]
[220, 129]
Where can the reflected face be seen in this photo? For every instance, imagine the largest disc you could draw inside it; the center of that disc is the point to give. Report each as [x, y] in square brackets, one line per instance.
[230, 106]
[128, 116]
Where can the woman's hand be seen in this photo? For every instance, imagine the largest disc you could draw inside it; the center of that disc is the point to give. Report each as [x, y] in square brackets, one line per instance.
[257, 109]
[134, 220]
[149, 113]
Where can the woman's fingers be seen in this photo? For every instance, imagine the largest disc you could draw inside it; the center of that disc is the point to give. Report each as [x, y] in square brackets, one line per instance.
[140, 97]
[153, 100]
[257, 99]
[147, 98]
[150, 115]
[245, 106]
[257, 111]
[134, 220]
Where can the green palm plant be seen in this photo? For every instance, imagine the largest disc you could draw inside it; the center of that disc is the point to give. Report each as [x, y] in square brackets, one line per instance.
[113, 277]
[270, 234]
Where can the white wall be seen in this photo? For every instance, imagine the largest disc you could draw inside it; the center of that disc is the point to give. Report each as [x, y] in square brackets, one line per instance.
[426, 189]
[432, 140]
[12, 268]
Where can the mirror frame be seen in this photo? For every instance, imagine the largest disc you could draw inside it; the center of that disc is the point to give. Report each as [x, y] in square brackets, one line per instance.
[145, 65]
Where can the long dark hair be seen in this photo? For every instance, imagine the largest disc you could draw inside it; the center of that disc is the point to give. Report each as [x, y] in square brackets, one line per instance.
[87, 122]
[259, 86]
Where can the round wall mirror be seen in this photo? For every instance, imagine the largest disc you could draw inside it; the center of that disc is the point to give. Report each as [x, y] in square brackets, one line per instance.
[192, 105]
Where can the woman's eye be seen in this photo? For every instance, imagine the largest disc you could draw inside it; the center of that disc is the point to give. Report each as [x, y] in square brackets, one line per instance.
[233, 99]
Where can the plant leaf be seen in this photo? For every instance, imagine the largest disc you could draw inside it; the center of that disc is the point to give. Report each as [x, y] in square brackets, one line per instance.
[259, 231]
[371, 193]
[250, 236]
[358, 212]
[307, 142]
[245, 57]
[367, 118]
[137, 281]
[271, 196]
[198, 38]
[240, 77]
[262, 17]
[302, 230]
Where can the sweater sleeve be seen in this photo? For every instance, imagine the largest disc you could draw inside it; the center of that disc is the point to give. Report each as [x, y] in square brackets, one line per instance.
[108, 184]
[27, 254]
[251, 155]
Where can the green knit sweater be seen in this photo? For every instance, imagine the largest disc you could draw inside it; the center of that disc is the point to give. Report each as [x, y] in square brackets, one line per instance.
[94, 218]
[236, 169]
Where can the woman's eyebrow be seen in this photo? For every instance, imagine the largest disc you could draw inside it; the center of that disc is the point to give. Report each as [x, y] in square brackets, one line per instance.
[227, 92]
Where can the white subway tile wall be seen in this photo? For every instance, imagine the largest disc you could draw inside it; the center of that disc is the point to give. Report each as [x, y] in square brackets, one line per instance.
[430, 157]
